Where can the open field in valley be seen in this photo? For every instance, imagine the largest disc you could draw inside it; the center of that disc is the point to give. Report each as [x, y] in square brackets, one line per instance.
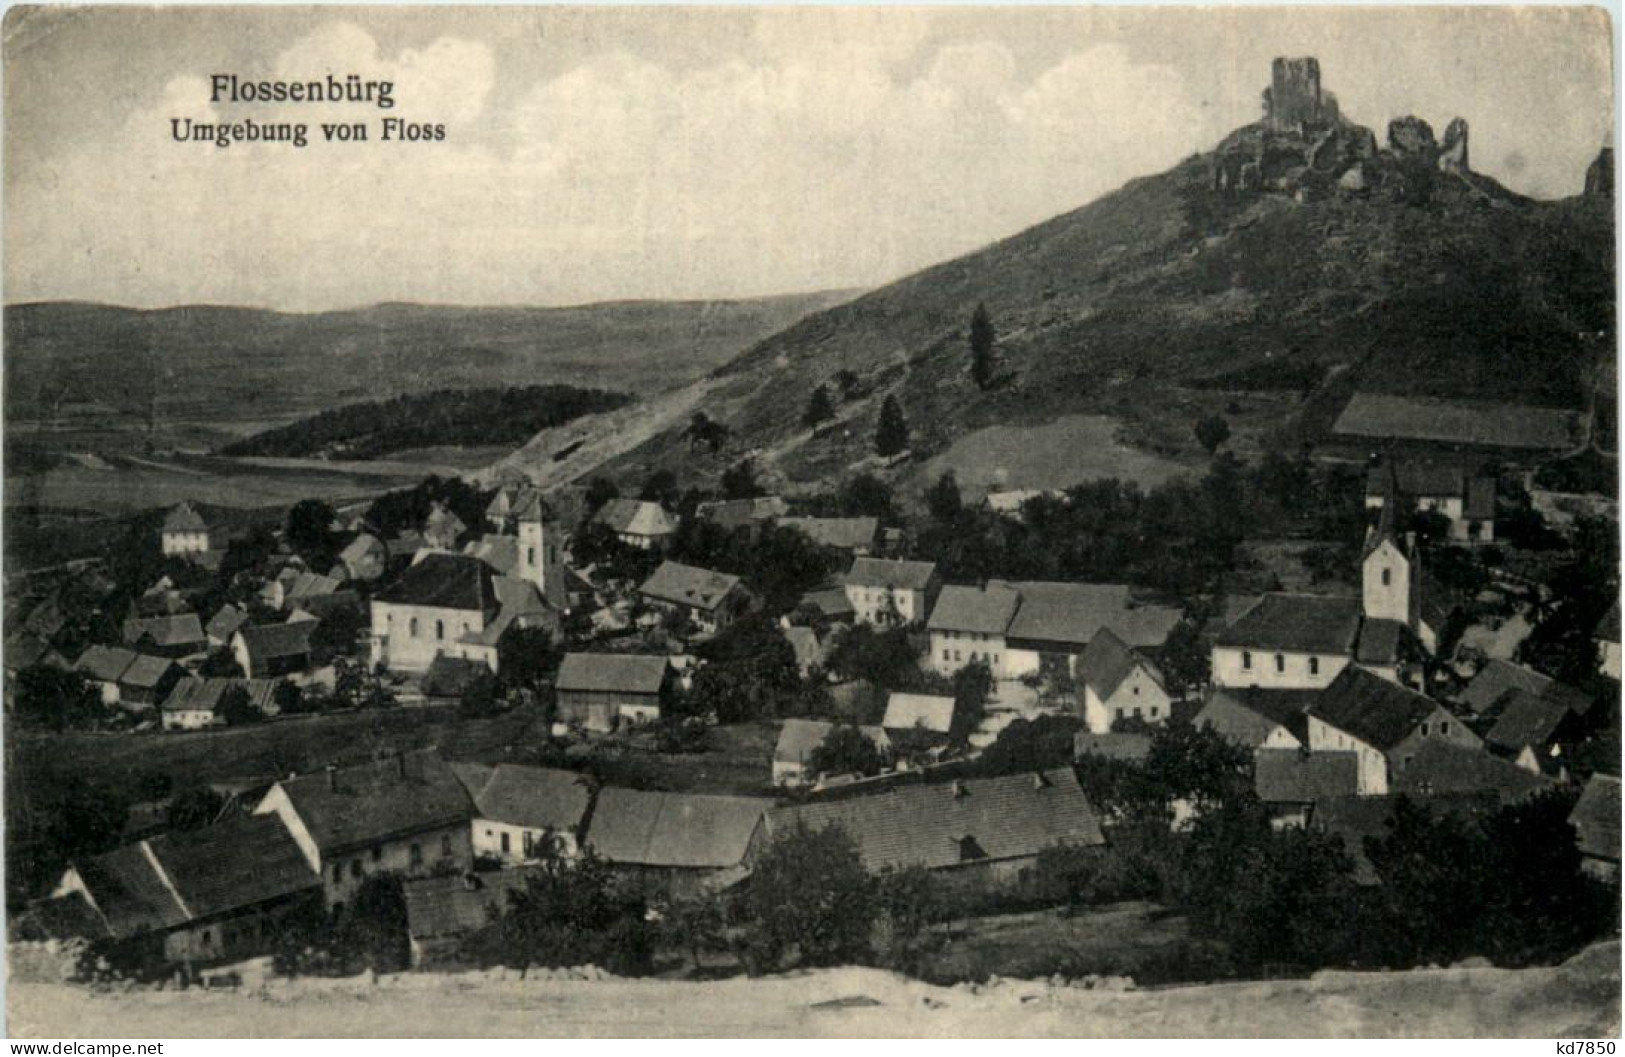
[1059, 454]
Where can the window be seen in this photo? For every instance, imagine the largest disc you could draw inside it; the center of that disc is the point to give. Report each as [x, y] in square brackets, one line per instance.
[412, 629]
[1136, 713]
[505, 847]
[945, 655]
[1424, 730]
[439, 629]
[1444, 727]
[1280, 663]
[1119, 713]
[1387, 577]
[1153, 711]
[1314, 666]
[355, 867]
[1246, 659]
[208, 937]
[416, 856]
[530, 555]
[1136, 691]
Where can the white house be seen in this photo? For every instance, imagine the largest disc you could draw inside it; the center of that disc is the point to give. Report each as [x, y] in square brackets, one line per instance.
[1259, 719]
[523, 814]
[1467, 500]
[1607, 636]
[638, 522]
[1288, 642]
[184, 533]
[1383, 724]
[451, 604]
[886, 592]
[1115, 682]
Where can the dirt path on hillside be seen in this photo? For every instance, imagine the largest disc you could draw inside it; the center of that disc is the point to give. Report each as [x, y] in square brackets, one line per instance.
[1577, 1000]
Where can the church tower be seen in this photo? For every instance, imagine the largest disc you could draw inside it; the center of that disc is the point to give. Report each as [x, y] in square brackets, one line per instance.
[540, 559]
[1389, 568]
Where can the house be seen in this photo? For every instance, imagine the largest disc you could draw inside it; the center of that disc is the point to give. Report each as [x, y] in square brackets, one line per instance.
[1123, 748]
[1595, 819]
[1259, 719]
[810, 652]
[501, 553]
[408, 814]
[831, 605]
[1290, 782]
[184, 534]
[194, 704]
[270, 650]
[1116, 682]
[522, 814]
[364, 558]
[600, 691]
[638, 522]
[442, 528]
[1607, 639]
[1018, 628]
[858, 536]
[406, 546]
[1288, 642]
[104, 666]
[148, 681]
[292, 587]
[1491, 683]
[442, 912]
[499, 511]
[711, 600]
[1395, 586]
[1427, 426]
[743, 515]
[1534, 727]
[1384, 723]
[920, 715]
[1465, 499]
[975, 831]
[23, 650]
[451, 604]
[1357, 821]
[1441, 769]
[173, 636]
[797, 740]
[223, 625]
[449, 677]
[886, 592]
[679, 844]
[219, 893]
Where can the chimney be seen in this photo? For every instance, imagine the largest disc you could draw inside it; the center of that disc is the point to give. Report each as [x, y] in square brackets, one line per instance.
[959, 789]
[332, 779]
[1039, 781]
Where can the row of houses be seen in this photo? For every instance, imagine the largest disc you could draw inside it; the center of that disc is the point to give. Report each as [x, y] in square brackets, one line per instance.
[223, 891]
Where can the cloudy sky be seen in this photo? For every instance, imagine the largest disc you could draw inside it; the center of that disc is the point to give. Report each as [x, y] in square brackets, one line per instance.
[691, 153]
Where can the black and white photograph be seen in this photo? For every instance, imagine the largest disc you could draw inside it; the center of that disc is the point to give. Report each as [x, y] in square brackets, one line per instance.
[918, 522]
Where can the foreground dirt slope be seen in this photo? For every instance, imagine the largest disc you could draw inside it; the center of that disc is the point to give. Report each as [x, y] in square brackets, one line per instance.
[1577, 1000]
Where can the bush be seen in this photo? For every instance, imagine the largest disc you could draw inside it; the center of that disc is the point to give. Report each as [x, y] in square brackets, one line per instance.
[808, 895]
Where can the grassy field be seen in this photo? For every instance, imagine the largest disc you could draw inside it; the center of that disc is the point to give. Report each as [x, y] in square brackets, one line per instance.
[1059, 454]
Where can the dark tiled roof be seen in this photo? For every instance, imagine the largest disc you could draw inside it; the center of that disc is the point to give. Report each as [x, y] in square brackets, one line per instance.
[1370, 708]
[443, 907]
[376, 800]
[1608, 626]
[1247, 715]
[885, 572]
[205, 694]
[238, 862]
[1382, 416]
[105, 663]
[145, 672]
[1595, 818]
[740, 513]
[1480, 504]
[125, 885]
[1418, 480]
[832, 602]
[1296, 624]
[1380, 642]
[269, 641]
[1495, 679]
[1526, 719]
[980, 611]
[227, 620]
[839, 533]
[1107, 661]
[184, 519]
[688, 585]
[1130, 748]
[534, 797]
[612, 672]
[674, 829]
[1441, 769]
[182, 629]
[954, 823]
[1073, 614]
[444, 581]
[1292, 776]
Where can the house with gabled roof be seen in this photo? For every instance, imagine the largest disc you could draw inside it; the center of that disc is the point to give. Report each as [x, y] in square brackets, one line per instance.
[885, 592]
[104, 666]
[919, 714]
[218, 893]
[194, 704]
[601, 691]
[451, 604]
[441, 912]
[180, 635]
[858, 536]
[977, 831]
[828, 604]
[148, 681]
[1258, 719]
[1288, 642]
[364, 558]
[408, 814]
[522, 814]
[184, 533]
[799, 738]
[1465, 499]
[223, 625]
[1595, 819]
[1116, 682]
[638, 523]
[743, 515]
[1439, 768]
[442, 529]
[683, 844]
[711, 600]
[1383, 723]
[267, 651]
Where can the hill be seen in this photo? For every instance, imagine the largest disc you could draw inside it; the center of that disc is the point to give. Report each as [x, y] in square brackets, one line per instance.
[72, 364]
[1269, 278]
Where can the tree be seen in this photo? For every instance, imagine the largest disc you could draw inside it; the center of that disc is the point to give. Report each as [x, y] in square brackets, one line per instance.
[1199, 765]
[1028, 745]
[943, 501]
[480, 697]
[698, 926]
[885, 658]
[810, 895]
[1212, 431]
[660, 487]
[575, 912]
[48, 696]
[867, 496]
[983, 366]
[236, 708]
[372, 927]
[193, 807]
[848, 382]
[846, 750]
[891, 435]
[972, 684]
[820, 408]
[527, 657]
[739, 480]
[1185, 661]
[310, 530]
[289, 698]
[600, 490]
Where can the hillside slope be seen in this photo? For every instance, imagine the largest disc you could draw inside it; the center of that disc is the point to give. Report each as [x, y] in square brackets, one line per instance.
[228, 365]
[1321, 270]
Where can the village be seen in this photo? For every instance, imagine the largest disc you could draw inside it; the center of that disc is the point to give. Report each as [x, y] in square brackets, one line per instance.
[945, 699]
